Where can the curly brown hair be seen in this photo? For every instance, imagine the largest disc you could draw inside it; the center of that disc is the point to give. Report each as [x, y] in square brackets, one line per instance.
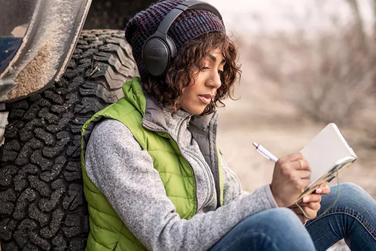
[167, 88]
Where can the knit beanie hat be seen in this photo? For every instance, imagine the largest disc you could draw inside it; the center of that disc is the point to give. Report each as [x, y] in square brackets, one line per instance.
[189, 25]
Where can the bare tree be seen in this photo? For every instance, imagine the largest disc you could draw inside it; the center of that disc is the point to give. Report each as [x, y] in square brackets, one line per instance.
[374, 23]
[358, 23]
[328, 77]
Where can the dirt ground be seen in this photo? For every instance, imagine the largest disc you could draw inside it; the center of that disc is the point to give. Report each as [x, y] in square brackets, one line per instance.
[265, 116]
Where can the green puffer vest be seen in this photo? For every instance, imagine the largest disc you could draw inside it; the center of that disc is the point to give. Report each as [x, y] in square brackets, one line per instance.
[107, 231]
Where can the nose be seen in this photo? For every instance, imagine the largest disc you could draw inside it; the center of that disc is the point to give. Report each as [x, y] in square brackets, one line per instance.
[214, 81]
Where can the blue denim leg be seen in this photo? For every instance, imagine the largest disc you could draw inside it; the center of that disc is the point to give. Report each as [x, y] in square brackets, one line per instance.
[347, 212]
[271, 230]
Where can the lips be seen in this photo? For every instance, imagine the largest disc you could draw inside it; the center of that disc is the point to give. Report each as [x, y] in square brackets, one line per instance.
[205, 98]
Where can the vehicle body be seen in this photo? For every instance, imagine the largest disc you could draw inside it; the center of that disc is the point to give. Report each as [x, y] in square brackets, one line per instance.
[37, 38]
[53, 77]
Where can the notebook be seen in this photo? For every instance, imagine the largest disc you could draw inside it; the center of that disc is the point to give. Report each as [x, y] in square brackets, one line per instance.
[327, 153]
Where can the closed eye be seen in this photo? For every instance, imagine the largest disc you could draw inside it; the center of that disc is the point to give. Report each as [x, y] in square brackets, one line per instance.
[204, 68]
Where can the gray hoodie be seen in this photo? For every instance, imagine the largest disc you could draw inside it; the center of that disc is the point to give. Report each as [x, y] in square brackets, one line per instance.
[124, 172]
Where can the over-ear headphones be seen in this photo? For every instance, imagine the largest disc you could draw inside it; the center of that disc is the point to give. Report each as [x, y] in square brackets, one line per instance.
[159, 48]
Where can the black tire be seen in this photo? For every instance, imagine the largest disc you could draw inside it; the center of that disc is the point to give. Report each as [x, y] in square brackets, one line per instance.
[41, 197]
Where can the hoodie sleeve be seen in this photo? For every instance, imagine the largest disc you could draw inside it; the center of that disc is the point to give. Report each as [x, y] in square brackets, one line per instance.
[232, 186]
[125, 174]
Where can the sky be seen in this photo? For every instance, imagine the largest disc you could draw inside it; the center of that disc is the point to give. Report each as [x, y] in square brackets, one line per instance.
[287, 15]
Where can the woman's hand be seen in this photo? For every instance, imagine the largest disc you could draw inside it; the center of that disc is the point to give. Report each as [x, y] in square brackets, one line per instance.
[291, 175]
[310, 204]
[307, 208]
[323, 189]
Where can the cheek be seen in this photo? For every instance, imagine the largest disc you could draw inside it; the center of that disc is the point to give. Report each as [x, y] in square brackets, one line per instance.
[186, 97]
[189, 90]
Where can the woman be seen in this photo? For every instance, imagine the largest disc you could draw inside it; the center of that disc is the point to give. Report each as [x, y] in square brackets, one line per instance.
[154, 177]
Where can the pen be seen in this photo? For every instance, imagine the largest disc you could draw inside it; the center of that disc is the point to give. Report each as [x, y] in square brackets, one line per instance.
[264, 152]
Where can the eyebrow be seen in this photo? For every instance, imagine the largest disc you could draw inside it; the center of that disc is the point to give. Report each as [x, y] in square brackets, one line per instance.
[214, 58]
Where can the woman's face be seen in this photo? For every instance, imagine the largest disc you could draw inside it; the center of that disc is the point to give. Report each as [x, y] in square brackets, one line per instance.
[206, 81]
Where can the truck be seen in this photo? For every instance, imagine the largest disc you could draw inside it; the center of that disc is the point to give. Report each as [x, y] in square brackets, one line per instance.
[54, 75]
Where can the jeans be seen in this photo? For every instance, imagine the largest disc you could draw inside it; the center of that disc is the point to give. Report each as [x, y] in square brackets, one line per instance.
[348, 212]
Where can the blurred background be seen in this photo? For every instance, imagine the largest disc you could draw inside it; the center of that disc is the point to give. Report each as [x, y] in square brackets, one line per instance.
[304, 64]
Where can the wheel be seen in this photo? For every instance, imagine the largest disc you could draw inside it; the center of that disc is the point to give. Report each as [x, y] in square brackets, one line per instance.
[41, 197]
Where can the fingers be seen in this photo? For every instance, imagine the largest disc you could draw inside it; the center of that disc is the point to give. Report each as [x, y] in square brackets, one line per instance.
[311, 198]
[304, 174]
[323, 189]
[311, 205]
[311, 210]
[295, 161]
[300, 165]
[292, 157]
[303, 164]
[297, 168]
[306, 213]
[291, 176]
[308, 210]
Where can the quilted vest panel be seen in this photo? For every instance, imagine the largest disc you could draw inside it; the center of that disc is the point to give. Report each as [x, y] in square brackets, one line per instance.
[107, 231]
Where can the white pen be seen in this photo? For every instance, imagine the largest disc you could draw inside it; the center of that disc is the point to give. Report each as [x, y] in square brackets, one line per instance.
[264, 152]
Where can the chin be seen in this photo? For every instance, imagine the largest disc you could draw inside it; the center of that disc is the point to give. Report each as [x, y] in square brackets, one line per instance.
[198, 111]
[195, 112]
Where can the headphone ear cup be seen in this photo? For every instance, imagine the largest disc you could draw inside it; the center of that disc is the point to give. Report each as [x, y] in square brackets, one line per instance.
[156, 56]
[172, 47]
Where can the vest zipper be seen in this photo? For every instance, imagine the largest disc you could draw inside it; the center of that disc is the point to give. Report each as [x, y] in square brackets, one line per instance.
[206, 169]
[181, 152]
[209, 177]
[214, 157]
